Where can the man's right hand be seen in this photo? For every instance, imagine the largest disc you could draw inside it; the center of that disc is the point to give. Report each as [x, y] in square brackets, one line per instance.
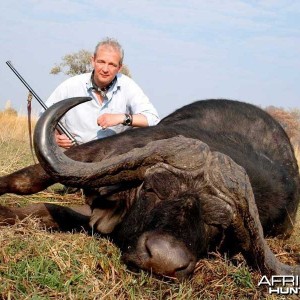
[63, 141]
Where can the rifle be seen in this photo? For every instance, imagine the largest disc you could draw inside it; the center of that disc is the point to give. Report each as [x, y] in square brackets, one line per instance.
[61, 128]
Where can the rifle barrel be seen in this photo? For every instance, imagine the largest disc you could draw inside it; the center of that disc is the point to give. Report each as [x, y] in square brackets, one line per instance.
[62, 129]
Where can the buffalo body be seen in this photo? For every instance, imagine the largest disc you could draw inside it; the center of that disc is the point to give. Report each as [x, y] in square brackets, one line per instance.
[215, 174]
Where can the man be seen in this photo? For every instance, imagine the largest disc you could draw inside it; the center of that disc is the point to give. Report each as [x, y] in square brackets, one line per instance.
[117, 104]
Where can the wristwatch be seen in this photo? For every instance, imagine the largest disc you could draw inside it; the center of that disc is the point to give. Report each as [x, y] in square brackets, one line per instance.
[127, 120]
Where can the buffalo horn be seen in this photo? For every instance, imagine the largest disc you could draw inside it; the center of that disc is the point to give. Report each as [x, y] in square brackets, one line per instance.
[178, 151]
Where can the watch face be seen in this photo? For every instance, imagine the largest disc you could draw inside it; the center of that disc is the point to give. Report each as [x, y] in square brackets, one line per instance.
[127, 120]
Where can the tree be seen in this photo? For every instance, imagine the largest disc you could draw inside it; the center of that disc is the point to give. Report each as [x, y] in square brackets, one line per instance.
[74, 64]
[125, 70]
[8, 110]
[79, 63]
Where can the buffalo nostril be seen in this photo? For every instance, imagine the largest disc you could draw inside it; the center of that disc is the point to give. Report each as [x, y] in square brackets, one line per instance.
[165, 255]
[182, 268]
[148, 249]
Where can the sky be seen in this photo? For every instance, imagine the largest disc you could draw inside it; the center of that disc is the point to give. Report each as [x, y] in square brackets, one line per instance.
[177, 51]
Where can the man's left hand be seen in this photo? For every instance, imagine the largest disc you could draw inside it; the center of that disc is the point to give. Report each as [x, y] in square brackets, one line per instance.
[108, 120]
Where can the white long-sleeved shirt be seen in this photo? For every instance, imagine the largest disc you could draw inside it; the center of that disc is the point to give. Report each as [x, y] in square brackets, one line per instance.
[125, 96]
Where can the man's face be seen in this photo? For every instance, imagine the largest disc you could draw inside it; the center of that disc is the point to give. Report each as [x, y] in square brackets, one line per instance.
[106, 64]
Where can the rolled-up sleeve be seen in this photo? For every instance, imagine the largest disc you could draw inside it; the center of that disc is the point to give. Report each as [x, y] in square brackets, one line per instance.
[140, 104]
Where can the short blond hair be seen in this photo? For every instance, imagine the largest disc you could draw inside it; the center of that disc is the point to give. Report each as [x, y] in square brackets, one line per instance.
[111, 43]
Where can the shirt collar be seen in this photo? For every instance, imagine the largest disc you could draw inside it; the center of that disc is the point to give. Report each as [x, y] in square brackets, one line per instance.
[116, 85]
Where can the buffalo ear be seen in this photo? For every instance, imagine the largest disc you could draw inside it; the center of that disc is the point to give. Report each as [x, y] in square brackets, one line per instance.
[163, 181]
[107, 216]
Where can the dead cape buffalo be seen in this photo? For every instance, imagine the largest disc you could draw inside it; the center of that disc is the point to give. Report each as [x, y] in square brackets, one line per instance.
[215, 174]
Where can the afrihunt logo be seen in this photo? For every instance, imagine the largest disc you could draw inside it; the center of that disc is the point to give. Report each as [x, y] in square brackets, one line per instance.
[281, 284]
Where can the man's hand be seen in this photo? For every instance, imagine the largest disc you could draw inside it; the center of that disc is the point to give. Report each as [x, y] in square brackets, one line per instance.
[63, 141]
[108, 120]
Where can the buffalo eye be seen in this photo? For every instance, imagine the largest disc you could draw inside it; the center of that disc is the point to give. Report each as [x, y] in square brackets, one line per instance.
[164, 183]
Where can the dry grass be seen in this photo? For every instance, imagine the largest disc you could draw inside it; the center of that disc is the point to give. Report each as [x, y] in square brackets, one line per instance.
[14, 142]
[297, 153]
[36, 264]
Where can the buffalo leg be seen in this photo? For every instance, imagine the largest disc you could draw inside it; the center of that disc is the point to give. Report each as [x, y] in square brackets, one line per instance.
[26, 181]
[51, 216]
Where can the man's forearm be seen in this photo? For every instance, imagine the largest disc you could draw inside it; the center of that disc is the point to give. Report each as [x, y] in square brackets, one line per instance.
[139, 120]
